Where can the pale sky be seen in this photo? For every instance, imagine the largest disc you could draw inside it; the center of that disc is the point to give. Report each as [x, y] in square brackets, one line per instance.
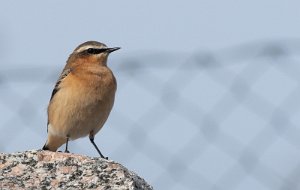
[32, 31]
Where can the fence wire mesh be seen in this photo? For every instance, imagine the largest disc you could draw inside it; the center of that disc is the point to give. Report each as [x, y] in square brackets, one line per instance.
[211, 120]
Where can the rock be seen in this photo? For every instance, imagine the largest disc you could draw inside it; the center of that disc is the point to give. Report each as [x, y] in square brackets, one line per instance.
[37, 169]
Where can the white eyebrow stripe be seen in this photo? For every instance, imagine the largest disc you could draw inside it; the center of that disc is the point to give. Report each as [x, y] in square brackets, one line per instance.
[87, 47]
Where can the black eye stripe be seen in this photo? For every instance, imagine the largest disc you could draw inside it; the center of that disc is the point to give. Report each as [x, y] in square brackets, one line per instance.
[95, 50]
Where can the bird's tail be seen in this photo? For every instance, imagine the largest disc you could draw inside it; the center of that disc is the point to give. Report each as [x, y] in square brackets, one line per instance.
[45, 147]
[54, 142]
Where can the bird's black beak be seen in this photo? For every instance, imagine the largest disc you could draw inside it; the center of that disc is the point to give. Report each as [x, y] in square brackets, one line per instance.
[109, 50]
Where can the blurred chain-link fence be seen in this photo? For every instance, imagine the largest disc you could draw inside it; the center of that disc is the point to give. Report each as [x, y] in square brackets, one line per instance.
[224, 120]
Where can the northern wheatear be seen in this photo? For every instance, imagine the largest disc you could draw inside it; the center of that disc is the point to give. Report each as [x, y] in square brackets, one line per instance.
[83, 96]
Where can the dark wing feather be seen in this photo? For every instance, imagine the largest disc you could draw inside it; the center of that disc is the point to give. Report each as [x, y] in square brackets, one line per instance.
[56, 88]
[62, 76]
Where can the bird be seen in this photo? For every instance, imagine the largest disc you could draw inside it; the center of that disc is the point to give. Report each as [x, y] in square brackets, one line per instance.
[82, 98]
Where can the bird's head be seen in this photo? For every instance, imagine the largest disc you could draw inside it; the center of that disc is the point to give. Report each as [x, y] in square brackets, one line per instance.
[92, 52]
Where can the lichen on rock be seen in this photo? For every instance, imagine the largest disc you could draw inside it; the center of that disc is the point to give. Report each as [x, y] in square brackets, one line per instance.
[37, 169]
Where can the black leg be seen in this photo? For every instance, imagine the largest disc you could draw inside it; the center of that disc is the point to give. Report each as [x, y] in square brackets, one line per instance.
[92, 141]
[66, 150]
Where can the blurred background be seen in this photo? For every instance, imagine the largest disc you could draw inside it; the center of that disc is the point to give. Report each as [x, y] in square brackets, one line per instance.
[208, 91]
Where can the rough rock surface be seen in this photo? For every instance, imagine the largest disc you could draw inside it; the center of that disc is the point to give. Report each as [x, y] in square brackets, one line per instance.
[37, 169]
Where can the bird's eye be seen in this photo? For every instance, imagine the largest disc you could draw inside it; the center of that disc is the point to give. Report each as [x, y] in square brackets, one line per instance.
[95, 51]
[92, 51]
